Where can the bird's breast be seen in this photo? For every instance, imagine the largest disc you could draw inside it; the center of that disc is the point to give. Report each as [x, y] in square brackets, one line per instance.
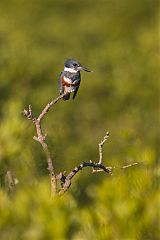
[69, 82]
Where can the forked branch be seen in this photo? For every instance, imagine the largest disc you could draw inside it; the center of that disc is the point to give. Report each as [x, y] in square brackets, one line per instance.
[96, 167]
[41, 138]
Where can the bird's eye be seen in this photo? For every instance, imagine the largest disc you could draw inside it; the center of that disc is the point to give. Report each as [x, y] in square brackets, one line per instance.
[74, 64]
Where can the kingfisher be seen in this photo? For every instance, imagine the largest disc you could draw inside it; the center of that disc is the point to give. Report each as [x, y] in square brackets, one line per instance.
[70, 78]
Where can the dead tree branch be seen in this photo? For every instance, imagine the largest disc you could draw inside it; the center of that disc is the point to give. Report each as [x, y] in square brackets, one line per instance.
[94, 170]
[66, 180]
[101, 145]
[41, 138]
[10, 181]
[98, 167]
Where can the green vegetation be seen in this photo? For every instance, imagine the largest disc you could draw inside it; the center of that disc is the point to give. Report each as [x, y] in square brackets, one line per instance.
[118, 40]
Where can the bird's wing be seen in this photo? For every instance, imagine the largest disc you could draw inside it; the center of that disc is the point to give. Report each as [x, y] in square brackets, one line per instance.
[75, 92]
[76, 89]
[60, 83]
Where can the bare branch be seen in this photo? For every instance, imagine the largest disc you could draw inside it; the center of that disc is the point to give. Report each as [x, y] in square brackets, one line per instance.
[94, 170]
[129, 165]
[28, 113]
[101, 145]
[10, 180]
[66, 180]
[48, 106]
[41, 137]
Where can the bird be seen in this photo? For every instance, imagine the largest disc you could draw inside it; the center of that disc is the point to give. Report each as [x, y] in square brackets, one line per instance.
[70, 78]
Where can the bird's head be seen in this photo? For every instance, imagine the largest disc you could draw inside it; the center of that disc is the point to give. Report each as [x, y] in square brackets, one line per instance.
[74, 66]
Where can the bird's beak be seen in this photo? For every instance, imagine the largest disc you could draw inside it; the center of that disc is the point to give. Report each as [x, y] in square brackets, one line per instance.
[85, 69]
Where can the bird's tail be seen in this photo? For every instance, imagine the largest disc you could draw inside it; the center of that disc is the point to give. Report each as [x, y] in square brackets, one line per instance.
[66, 96]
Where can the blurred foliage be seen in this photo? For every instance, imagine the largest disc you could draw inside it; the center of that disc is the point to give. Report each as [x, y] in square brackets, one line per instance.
[118, 39]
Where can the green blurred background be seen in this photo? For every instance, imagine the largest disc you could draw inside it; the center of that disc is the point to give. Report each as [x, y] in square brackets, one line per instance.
[118, 40]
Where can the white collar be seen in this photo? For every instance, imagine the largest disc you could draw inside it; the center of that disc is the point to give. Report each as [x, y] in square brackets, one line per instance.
[71, 70]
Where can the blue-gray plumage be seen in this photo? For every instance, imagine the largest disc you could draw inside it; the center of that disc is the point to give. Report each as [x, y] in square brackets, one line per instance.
[70, 78]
